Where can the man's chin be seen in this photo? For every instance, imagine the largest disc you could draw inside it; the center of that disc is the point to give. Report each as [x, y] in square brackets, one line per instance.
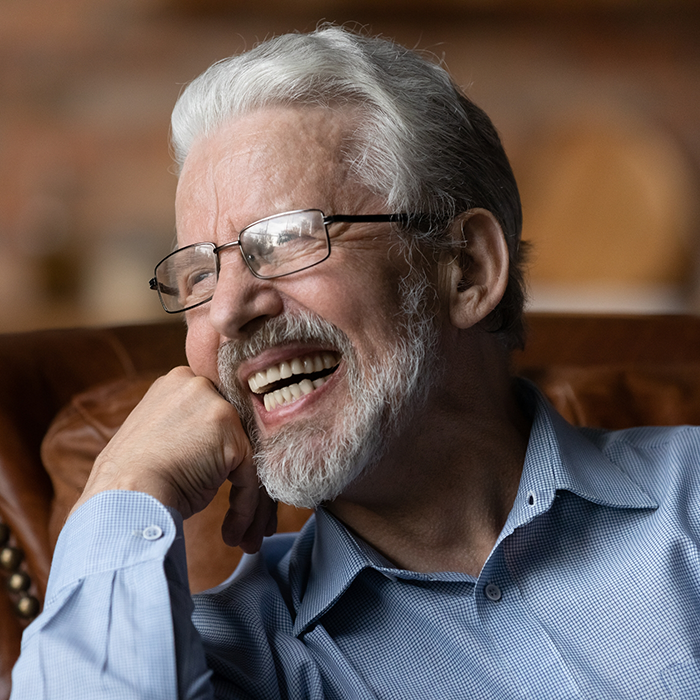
[303, 466]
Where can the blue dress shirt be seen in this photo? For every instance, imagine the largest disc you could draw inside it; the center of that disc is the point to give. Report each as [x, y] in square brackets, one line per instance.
[591, 591]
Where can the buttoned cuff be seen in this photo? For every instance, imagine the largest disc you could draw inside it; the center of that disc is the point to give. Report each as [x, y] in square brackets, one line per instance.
[116, 530]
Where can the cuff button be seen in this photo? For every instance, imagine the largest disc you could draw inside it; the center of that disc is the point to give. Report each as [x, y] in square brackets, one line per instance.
[152, 532]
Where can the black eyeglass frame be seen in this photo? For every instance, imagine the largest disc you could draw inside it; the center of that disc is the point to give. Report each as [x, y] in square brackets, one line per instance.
[327, 220]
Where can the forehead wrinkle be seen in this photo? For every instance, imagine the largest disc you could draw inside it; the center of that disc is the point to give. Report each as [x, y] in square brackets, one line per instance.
[300, 149]
[195, 208]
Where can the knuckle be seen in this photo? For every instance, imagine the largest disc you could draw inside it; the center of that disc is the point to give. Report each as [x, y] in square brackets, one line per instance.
[173, 378]
[200, 383]
[182, 372]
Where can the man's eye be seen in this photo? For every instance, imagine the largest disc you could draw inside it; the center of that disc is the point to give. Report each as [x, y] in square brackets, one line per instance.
[201, 277]
[198, 285]
[287, 237]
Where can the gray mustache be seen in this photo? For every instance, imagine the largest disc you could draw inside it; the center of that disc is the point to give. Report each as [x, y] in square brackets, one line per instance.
[303, 327]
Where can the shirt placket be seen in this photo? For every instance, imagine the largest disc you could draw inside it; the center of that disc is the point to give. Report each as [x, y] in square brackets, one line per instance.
[527, 660]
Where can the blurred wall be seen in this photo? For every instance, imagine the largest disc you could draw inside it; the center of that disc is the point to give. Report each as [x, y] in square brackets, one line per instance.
[597, 101]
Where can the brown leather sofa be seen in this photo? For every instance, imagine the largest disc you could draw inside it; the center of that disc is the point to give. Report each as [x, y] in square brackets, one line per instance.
[64, 393]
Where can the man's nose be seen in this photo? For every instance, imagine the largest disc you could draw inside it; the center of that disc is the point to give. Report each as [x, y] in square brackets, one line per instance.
[241, 301]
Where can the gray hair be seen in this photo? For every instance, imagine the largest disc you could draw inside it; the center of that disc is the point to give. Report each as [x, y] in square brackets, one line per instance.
[419, 142]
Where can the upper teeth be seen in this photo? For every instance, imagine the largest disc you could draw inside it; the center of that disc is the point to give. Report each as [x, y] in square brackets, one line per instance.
[260, 382]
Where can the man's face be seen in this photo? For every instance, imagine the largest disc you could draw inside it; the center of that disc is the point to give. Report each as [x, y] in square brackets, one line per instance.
[343, 328]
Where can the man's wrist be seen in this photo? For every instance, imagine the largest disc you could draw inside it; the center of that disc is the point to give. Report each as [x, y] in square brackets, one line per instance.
[108, 477]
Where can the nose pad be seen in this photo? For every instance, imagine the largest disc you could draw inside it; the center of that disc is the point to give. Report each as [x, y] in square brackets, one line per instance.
[241, 301]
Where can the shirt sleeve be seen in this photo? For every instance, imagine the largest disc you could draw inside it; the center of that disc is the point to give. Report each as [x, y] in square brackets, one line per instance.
[117, 617]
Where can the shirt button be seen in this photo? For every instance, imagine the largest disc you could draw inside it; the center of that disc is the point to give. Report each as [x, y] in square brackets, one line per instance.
[152, 532]
[492, 592]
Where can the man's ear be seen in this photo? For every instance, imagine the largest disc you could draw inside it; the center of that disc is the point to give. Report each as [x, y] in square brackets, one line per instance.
[478, 273]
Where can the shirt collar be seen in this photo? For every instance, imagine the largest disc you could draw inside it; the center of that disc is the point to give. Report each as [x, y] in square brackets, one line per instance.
[559, 457]
[336, 559]
[562, 457]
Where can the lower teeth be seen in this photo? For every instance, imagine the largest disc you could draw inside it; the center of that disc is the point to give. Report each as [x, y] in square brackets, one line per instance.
[289, 394]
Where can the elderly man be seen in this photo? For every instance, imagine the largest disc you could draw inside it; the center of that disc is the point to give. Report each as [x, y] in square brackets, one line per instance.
[348, 264]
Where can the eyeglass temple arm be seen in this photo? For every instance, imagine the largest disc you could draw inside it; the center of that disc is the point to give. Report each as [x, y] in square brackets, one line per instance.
[154, 284]
[366, 218]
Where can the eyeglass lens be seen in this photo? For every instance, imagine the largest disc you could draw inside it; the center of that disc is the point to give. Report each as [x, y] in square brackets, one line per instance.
[272, 247]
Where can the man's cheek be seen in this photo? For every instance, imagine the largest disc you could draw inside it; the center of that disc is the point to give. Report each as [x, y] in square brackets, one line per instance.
[202, 347]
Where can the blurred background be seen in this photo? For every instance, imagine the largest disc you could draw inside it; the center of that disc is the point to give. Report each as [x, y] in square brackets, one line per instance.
[597, 102]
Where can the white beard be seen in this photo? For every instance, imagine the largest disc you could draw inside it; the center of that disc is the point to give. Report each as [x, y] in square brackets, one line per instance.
[305, 464]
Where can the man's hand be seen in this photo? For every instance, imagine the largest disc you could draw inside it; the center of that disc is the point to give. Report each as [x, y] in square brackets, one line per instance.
[180, 444]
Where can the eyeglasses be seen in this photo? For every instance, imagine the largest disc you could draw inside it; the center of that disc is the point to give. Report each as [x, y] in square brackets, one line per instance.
[276, 246]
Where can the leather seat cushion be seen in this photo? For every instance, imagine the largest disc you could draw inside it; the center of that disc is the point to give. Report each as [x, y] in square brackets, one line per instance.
[617, 397]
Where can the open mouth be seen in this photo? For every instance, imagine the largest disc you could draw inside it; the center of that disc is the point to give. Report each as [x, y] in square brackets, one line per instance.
[288, 381]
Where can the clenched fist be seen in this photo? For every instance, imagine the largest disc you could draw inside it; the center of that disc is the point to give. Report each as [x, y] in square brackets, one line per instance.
[179, 445]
